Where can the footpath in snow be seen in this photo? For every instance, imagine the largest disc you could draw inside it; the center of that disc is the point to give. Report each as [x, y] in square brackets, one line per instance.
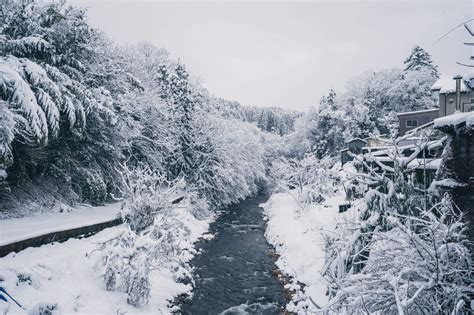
[297, 235]
[14, 230]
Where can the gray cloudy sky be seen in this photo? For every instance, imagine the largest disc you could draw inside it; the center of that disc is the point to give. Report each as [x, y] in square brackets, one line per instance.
[287, 53]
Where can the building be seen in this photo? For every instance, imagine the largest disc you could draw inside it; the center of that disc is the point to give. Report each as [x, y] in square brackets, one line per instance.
[354, 146]
[455, 94]
[412, 120]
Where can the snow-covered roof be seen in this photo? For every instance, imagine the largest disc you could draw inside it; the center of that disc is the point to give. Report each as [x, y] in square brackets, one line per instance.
[455, 120]
[469, 76]
[446, 84]
[356, 139]
[429, 164]
[431, 110]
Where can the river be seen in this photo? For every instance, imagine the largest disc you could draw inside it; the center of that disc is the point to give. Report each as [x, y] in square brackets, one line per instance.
[234, 271]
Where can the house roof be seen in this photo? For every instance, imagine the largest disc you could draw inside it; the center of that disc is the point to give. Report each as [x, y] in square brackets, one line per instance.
[446, 84]
[431, 110]
[356, 139]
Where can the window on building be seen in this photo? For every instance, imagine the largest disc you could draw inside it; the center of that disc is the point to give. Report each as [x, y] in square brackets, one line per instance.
[472, 108]
[412, 123]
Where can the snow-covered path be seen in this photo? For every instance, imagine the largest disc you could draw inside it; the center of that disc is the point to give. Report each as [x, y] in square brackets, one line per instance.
[14, 230]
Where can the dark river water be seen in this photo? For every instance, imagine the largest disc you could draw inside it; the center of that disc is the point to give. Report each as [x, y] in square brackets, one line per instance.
[233, 274]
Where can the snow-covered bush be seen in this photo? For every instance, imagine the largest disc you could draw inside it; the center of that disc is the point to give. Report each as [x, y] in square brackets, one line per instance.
[421, 265]
[127, 258]
[312, 179]
[127, 266]
[150, 237]
[149, 195]
[400, 253]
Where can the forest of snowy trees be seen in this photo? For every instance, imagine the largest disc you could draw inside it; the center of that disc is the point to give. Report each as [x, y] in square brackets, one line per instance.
[75, 108]
[369, 105]
[85, 120]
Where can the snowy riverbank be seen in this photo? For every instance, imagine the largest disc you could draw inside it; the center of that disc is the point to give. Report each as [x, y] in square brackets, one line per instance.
[297, 235]
[69, 274]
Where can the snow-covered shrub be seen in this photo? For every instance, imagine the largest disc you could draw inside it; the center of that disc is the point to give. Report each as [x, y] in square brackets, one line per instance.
[127, 266]
[421, 265]
[401, 253]
[149, 238]
[311, 178]
[149, 195]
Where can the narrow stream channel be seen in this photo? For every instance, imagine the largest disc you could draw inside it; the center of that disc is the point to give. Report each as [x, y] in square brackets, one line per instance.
[234, 271]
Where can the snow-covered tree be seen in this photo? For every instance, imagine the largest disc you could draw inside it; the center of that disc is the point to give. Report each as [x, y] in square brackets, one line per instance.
[326, 127]
[420, 59]
[42, 71]
[312, 180]
[55, 75]
[412, 92]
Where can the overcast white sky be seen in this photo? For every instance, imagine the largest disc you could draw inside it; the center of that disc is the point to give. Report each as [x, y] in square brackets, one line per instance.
[287, 53]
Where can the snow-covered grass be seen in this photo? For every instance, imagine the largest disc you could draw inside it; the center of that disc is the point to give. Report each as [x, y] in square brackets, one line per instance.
[297, 234]
[13, 230]
[68, 274]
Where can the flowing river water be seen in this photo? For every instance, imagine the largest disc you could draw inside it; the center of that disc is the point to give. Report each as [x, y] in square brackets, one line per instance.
[234, 272]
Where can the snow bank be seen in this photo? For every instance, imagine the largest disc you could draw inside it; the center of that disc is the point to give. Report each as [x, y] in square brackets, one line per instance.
[296, 234]
[14, 230]
[67, 274]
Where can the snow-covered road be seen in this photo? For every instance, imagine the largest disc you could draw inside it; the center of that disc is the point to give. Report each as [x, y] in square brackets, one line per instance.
[14, 230]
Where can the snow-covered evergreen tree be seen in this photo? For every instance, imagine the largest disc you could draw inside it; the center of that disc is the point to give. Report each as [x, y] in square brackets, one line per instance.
[420, 59]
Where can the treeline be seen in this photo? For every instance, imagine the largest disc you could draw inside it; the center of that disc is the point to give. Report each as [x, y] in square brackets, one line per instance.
[369, 105]
[75, 109]
[270, 119]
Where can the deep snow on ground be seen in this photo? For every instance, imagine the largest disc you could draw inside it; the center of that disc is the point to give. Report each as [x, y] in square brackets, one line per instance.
[68, 274]
[297, 235]
[13, 230]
